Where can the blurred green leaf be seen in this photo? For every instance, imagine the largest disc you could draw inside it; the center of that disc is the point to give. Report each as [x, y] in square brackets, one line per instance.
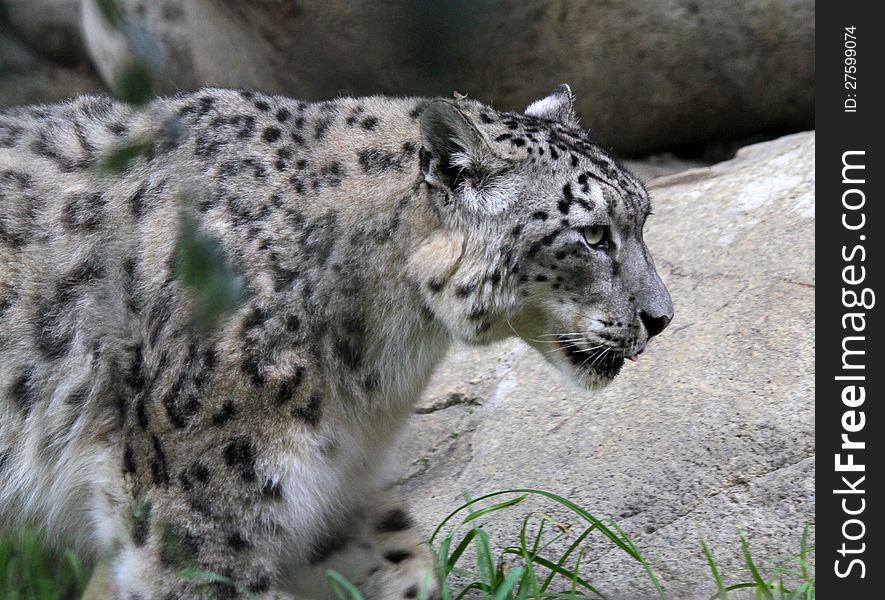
[135, 84]
[111, 12]
[123, 158]
[202, 266]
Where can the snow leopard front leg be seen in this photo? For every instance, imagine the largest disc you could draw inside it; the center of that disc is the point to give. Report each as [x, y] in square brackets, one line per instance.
[179, 547]
[380, 551]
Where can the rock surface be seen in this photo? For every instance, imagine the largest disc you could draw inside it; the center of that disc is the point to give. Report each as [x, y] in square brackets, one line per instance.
[650, 75]
[710, 431]
[50, 28]
[26, 78]
[157, 30]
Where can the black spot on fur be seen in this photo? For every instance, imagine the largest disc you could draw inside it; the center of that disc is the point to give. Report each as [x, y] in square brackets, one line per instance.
[477, 313]
[54, 332]
[462, 291]
[419, 108]
[288, 386]
[372, 381]
[272, 490]
[376, 161]
[129, 464]
[327, 546]
[22, 391]
[262, 106]
[137, 201]
[539, 215]
[206, 146]
[239, 454]
[237, 542]
[43, 146]
[9, 134]
[349, 342]
[77, 399]
[321, 127]
[411, 592]
[283, 115]
[83, 211]
[200, 471]
[311, 412]
[180, 407]
[260, 585]
[225, 414]
[332, 174]
[161, 311]
[271, 134]
[436, 285]
[159, 466]
[369, 123]
[548, 239]
[397, 556]
[395, 519]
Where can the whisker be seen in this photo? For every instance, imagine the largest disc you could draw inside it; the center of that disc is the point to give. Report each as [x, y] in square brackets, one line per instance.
[564, 333]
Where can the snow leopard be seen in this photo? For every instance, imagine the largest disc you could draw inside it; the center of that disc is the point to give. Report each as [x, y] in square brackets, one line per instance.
[365, 237]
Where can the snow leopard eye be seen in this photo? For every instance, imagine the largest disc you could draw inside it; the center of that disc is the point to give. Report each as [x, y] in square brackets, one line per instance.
[596, 237]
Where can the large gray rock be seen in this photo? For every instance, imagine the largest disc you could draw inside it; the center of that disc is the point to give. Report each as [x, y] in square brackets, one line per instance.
[50, 28]
[649, 74]
[155, 33]
[26, 78]
[710, 431]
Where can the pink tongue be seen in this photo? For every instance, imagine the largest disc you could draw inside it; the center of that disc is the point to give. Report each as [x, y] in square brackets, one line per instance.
[634, 358]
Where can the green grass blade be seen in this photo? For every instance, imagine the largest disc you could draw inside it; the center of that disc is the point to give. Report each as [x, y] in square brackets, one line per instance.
[485, 561]
[638, 555]
[566, 555]
[568, 574]
[530, 581]
[459, 550]
[722, 593]
[733, 587]
[803, 553]
[476, 585]
[490, 509]
[626, 546]
[537, 542]
[761, 587]
[341, 586]
[507, 585]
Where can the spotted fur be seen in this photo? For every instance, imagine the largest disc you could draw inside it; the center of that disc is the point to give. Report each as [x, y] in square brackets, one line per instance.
[367, 234]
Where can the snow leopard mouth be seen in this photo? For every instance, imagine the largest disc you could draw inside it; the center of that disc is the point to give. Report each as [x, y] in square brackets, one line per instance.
[605, 361]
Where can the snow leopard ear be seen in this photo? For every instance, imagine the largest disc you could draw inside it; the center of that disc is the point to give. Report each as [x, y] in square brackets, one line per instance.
[449, 136]
[457, 157]
[558, 106]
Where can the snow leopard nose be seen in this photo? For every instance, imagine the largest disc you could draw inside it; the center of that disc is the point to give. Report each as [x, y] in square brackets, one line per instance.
[655, 325]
